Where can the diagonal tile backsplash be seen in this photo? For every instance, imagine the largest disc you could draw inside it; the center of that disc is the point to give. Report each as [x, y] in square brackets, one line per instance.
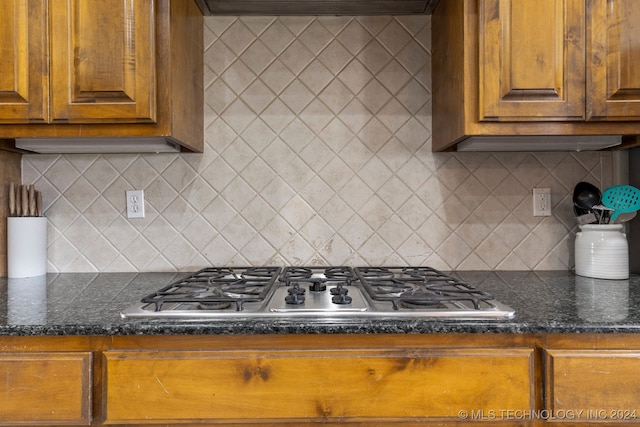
[318, 151]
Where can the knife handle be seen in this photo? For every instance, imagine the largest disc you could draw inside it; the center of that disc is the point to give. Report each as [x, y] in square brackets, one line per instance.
[32, 200]
[18, 201]
[39, 203]
[12, 199]
[25, 200]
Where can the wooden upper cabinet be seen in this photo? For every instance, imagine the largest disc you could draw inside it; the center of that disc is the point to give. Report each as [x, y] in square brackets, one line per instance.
[552, 60]
[531, 60]
[103, 61]
[613, 55]
[24, 67]
[98, 69]
[537, 68]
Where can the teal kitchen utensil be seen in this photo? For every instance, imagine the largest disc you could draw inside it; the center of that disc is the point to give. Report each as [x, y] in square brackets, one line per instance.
[621, 198]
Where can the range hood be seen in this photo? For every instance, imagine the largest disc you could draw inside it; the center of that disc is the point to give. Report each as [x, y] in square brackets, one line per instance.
[317, 7]
[539, 143]
[98, 145]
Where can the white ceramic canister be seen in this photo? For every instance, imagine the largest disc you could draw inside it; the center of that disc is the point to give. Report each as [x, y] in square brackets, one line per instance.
[602, 252]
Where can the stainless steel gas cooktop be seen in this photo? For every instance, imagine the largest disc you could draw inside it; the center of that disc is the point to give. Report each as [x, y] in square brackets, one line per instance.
[326, 293]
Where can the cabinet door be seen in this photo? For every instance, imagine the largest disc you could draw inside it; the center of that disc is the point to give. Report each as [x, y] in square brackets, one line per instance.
[613, 55]
[604, 384]
[328, 385]
[531, 60]
[45, 388]
[24, 71]
[102, 61]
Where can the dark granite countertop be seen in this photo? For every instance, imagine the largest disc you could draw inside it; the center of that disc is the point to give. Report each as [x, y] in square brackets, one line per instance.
[90, 304]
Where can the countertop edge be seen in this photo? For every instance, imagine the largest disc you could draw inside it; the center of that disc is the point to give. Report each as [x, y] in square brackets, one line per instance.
[278, 328]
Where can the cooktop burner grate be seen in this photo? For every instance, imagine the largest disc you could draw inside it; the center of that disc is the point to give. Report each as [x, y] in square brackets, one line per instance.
[416, 287]
[318, 274]
[217, 288]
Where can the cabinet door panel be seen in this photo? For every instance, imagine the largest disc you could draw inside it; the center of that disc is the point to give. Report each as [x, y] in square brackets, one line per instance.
[24, 71]
[186, 386]
[613, 79]
[611, 377]
[45, 388]
[103, 61]
[531, 60]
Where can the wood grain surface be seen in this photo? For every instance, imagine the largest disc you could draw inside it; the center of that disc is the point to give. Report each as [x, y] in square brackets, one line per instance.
[10, 170]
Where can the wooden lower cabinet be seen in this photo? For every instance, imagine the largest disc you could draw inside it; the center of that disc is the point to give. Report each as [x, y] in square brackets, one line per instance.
[329, 385]
[43, 388]
[333, 379]
[596, 385]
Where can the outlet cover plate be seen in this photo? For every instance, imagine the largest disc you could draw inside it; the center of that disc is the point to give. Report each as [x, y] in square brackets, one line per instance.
[135, 203]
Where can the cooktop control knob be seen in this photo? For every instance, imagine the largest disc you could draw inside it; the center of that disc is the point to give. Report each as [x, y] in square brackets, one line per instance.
[296, 295]
[296, 289]
[340, 295]
[317, 287]
[341, 299]
[294, 298]
[339, 290]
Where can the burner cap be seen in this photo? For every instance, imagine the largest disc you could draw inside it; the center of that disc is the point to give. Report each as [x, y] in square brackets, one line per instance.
[213, 305]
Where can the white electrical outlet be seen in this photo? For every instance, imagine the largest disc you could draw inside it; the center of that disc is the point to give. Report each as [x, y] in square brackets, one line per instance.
[541, 202]
[135, 203]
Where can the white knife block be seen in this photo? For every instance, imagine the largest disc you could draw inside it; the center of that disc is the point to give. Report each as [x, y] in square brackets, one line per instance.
[26, 247]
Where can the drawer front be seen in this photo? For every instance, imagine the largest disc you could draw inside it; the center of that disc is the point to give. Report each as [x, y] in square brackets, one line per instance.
[329, 385]
[45, 388]
[604, 384]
